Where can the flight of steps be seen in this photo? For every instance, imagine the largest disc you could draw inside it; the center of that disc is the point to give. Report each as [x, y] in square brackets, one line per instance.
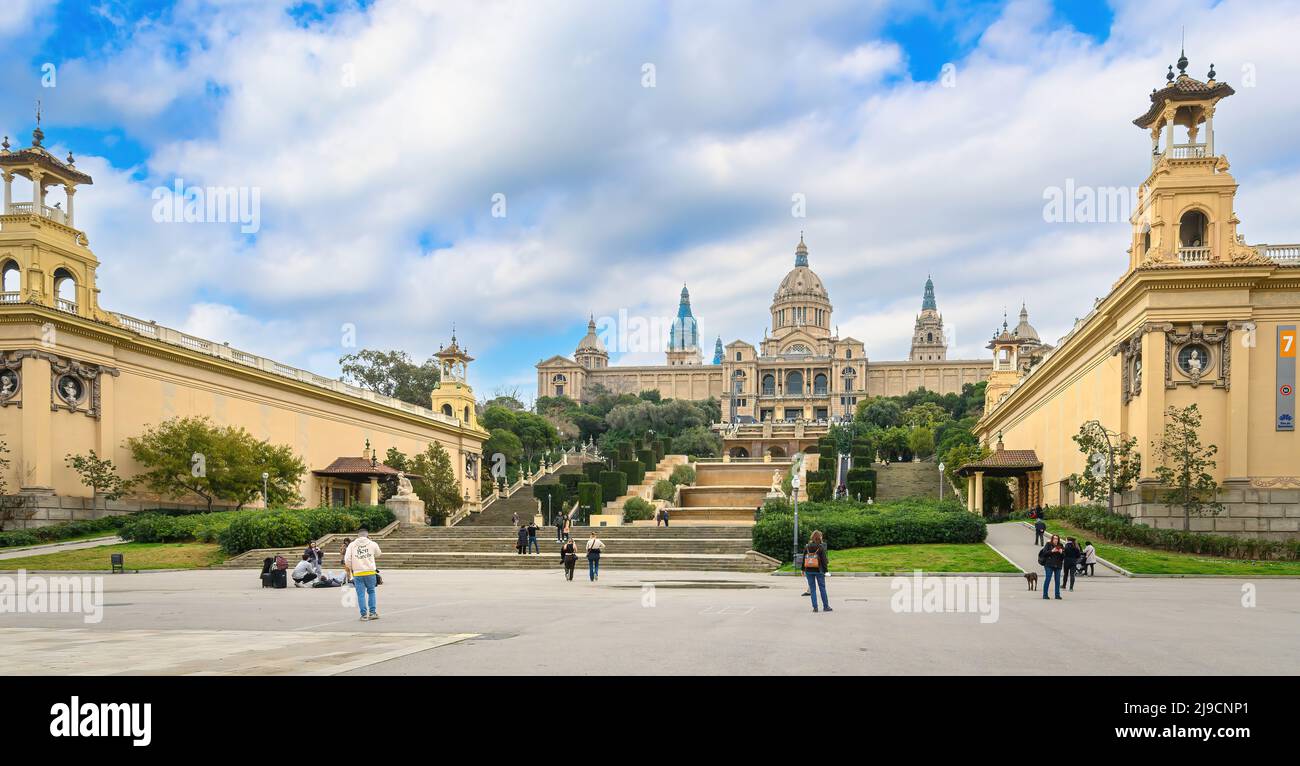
[900, 480]
[500, 513]
[694, 548]
[646, 489]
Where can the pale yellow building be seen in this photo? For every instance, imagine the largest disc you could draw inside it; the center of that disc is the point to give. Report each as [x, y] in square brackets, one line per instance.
[802, 370]
[1196, 317]
[75, 377]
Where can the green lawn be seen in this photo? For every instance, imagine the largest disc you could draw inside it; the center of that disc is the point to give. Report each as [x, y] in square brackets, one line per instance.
[135, 556]
[1152, 561]
[935, 557]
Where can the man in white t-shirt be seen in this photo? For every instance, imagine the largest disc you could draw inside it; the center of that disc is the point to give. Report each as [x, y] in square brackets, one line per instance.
[360, 559]
[306, 571]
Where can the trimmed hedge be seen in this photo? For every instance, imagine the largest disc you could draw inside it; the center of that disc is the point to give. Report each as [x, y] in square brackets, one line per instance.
[861, 490]
[1121, 529]
[819, 491]
[55, 532]
[634, 471]
[556, 493]
[239, 531]
[849, 524]
[664, 490]
[589, 500]
[570, 482]
[625, 451]
[862, 474]
[647, 458]
[592, 471]
[638, 509]
[613, 485]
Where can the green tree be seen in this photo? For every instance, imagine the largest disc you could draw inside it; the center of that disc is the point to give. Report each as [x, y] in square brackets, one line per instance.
[391, 373]
[437, 485]
[921, 442]
[926, 415]
[960, 455]
[698, 441]
[1114, 463]
[1185, 465]
[100, 474]
[880, 412]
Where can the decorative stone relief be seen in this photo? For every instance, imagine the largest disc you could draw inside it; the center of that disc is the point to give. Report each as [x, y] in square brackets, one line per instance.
[1197, 356]
[11, 381]
[1130, 352]
[74, 385]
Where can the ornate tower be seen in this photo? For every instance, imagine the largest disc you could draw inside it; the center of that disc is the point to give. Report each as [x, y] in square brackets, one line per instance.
[44, 258]
[453, 396]
[1006, 366]
[1185, 211]
[801, 311]
[684, 337]
[928, 341]
[717, 351]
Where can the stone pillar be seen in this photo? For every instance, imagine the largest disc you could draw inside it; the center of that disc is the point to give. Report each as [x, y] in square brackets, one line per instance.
[9, 190]
[72, 191]
[979, 492]
[34, 470]
[1209, 133]
[970, 492]
[38, 193]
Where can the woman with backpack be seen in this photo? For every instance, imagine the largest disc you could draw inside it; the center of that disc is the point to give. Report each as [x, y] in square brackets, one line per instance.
[568, 557]
[815, 564]
[1052, 559]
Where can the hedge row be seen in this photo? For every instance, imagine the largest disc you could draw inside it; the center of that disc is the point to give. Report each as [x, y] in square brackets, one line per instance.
[590, 501]
[613, 485]
[849, 524]
[1121, 529]
[635, 471]
[239, 531]
[65, 531]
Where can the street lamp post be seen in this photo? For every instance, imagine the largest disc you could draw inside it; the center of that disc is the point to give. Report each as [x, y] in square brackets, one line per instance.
[794, 499]
[266, 497]
[941, 482]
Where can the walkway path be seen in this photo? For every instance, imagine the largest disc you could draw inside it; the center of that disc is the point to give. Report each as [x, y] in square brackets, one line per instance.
[1016, 541]
[40, 550]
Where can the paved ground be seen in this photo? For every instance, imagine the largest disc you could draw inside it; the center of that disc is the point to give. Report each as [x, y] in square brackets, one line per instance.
[1016, 541]
[534, 622]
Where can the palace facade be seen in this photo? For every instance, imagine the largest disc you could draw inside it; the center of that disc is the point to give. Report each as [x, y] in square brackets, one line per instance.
[1197, 317]
[801, 369]
[75, 377]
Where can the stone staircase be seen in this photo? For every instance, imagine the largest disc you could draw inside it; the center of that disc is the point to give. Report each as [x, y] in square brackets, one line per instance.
[522, 502]
[725, 493]
[693, 548]
[646, 489]
[900, 480]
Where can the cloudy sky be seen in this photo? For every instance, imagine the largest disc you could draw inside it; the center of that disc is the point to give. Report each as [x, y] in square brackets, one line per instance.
[515, 166]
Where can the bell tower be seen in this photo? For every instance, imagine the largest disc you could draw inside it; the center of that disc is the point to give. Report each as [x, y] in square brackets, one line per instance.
[44, 258]
[1006, 366]
[1185, 212]
[452, 396]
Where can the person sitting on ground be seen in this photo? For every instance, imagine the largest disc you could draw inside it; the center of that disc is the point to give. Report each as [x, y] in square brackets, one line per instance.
[327, 580]
[306, 571]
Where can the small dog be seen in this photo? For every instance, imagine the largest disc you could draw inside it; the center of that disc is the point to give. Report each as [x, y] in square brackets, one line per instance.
[1031, 578]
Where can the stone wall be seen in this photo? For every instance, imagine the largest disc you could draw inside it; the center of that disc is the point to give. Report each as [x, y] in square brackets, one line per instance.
[28, 511]
[1267, 514]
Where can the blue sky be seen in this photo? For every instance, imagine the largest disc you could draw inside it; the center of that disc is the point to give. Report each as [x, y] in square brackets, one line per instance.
[379, 135]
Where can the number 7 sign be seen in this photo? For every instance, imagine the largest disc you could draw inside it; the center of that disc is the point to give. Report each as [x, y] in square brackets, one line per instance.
[1286, 378]
[1286, 343]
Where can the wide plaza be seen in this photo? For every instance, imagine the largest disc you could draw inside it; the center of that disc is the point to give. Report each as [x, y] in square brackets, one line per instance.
[654, 623]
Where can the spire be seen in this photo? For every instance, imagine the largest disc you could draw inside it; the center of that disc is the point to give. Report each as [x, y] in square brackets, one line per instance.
[38, 135]
[927, 302]
[686, 296]
[717, 351]
[801, 253]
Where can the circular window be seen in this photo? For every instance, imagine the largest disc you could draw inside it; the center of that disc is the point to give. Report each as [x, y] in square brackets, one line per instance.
[8, 384]
[71, 390]
[1194, 360]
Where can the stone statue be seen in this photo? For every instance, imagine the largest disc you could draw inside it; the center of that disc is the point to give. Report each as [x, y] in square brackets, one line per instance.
[6, 386]
[69, 390]
[404, 488]
[1194, 363]
[777, 480]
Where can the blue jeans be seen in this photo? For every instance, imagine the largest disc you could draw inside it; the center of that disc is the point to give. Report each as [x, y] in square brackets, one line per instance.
[816, 582]
[593, 567]
[365, 585]
[1048, 572]
[532, 544]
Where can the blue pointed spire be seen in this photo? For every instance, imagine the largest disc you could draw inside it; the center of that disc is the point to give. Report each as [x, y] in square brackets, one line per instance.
[801, 253]
[685, 332]
[927, 302]
[717, 351]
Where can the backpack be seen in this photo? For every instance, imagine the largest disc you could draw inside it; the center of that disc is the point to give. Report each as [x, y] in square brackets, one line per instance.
[812, 560]
[281, 563]
[1042, 557]
[267, 563]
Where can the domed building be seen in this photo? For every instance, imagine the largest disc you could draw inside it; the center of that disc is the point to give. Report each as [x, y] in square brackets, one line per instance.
[801, 371]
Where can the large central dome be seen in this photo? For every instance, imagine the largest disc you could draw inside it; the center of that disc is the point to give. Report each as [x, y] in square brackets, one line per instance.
[801, 281]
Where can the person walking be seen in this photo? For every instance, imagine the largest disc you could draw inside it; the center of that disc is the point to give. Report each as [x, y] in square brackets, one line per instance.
[594, 547]
[568, 528]
[514, 519]
[1090, 558]
[559, 527]
[521, 540]
[568, 557]
[815, 564]
[343, 554]
[664, 514]
[360, 559]
[532, 538]
[1072, 556]
[1040, 529]
[1052, 558]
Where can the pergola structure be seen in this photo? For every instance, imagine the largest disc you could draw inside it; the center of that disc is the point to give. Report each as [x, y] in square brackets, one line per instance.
[1022, 465]
[354, 480]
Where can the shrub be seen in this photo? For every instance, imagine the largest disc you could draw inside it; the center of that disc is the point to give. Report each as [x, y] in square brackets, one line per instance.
[254, 528]
[264, 530]
[592, 471]
[19, 538]
[155, 528]
[862, 474]
[861, 490]
[66, 530]
[613, 485]
[663, 446]
[625, 451]
[1121, 529]
[664, 490]
[683, 474]
[638, 509]
[819, 491]
[570, 482]
[849, 524]
[634, 470]
[647, 458]
[826, 475]
[589, 501]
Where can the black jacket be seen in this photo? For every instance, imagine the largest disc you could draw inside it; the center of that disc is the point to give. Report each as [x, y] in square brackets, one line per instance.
[1049, 558]
[1040, 526]
[1072, 554]
[818, 550]
[567, 551]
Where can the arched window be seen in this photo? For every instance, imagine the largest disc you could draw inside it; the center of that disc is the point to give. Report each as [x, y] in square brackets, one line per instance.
[848, 353]
[929, 337]
[794, 384]
[1192, 228]
[466, 418]
[769, 385]
[12, 278]
[65, 289]
[819, 384]
[737, 356]
[446, 410]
